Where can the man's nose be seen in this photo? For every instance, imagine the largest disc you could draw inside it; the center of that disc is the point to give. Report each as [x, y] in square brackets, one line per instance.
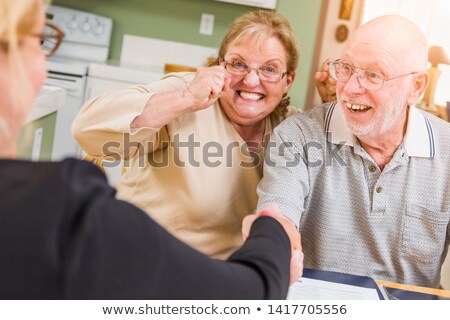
[353, 85]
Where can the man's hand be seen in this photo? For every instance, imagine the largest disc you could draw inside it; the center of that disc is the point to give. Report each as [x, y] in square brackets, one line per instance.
[291, 231]
[326, 85]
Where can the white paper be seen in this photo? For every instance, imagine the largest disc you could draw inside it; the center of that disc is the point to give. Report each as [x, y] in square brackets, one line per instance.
[312, 289]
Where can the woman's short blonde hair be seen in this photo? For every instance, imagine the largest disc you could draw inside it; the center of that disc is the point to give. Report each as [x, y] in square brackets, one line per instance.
[17, 19]
[261, 25]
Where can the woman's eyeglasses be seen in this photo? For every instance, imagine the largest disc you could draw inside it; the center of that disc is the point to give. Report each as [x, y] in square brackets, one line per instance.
[265, 73]
[51, 38]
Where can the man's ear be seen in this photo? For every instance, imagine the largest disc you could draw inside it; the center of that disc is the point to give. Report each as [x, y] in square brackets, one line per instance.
[419, 84]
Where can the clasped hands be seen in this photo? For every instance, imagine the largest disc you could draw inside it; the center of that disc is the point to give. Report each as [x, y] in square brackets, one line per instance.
[291, 231]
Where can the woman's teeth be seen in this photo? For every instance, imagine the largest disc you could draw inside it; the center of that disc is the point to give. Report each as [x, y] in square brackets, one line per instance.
[356, 107]
[250, 96]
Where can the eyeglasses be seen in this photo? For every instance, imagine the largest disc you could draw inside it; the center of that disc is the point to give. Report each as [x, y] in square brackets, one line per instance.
[368, 79]
[51, 38]
[265, 73]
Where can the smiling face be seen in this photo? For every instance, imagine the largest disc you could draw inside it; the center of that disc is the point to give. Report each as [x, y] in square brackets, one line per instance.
[391, 46]
[367, 112]
[249, 100]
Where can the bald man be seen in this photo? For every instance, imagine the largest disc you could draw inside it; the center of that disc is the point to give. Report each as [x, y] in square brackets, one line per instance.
[365, 178]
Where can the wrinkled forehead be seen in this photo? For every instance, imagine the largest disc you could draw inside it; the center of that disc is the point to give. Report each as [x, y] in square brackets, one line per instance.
[393, 42]
[373, 55]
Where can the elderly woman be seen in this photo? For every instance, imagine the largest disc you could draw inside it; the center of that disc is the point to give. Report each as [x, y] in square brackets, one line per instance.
[63, 235]
[193, 142]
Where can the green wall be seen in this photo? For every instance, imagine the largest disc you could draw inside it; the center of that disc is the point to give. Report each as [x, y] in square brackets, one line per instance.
[25, 139]
[175, 20]
[304, 17]
[179, 20]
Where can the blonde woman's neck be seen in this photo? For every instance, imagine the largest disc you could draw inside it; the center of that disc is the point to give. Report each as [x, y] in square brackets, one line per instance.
[8, 152]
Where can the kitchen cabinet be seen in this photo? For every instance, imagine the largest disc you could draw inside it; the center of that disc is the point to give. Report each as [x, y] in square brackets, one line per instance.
[98, 86]
[114, 75]
[268, 4]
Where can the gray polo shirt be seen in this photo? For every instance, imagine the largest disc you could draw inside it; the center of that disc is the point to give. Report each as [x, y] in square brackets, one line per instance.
[391, 225]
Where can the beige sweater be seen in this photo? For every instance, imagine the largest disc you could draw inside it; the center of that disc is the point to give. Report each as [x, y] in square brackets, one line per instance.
[192, 176]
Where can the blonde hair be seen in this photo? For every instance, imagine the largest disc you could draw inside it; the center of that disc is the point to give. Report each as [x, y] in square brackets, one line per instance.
[17, 19]
[261, 25]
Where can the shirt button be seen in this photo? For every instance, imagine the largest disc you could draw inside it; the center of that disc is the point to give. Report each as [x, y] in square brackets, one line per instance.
[372, 168]
[379, 189]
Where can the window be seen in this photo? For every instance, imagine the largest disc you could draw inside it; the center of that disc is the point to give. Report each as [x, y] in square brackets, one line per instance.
[432, 17]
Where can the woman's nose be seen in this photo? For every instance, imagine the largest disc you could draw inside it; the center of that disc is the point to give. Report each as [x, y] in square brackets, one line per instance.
[252, 78]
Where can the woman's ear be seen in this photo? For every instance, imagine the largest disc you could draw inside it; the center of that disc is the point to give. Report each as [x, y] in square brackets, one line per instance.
[289, 80]
[419, 83]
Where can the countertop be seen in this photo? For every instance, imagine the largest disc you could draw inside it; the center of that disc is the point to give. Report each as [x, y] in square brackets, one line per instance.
[49, 100]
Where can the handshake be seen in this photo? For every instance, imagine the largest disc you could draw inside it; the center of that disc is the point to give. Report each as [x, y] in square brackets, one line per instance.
[291, 231]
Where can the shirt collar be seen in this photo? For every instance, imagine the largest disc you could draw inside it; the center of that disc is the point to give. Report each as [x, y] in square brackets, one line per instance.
[419, 139]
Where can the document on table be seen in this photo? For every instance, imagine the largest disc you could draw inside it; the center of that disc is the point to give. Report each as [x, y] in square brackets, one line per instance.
[312, 289]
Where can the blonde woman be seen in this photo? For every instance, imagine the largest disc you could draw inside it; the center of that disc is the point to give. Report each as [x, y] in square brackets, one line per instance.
[64, 235]
[194, 142]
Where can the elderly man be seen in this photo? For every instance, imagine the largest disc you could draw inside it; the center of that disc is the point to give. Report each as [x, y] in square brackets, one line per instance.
[365, 178]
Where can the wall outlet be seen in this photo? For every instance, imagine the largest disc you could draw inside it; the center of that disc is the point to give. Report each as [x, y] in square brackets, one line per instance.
[207, 24]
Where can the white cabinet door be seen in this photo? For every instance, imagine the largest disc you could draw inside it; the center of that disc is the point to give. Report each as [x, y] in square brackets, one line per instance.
[97, 86]
[269, 4]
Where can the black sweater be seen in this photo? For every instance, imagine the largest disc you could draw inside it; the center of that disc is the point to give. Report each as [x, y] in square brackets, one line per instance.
[63, 235]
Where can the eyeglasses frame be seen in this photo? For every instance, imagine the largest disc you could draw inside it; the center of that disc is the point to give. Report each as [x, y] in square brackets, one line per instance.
[42, 36]
[353, 71]
[59, 36]
[249, 69]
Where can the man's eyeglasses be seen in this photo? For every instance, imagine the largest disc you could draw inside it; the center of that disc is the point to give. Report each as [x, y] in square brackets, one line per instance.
[51, 38]
[265, 73]
[369, 79]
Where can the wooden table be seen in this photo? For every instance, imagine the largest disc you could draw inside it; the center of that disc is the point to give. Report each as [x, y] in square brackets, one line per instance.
[438, 292]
